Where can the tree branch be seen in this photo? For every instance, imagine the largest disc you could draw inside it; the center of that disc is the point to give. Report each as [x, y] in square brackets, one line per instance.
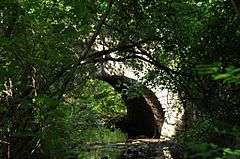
[123, 59]
[122, 47]
[98, 29]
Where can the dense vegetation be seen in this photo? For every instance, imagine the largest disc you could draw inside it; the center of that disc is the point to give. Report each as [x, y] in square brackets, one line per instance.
[51, 52]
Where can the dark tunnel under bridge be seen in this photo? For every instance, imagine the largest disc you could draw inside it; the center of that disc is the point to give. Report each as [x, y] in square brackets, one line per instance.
[145, 115]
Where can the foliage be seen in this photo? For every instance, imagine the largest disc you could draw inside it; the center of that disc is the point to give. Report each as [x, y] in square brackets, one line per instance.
[230, 153]
[102, 135]
[210, 139]
[198, 132]
[213, 54]
[205, 150]
[103, 98]
[51, 50]
[229, 75]
[68, 125]
[202, 151]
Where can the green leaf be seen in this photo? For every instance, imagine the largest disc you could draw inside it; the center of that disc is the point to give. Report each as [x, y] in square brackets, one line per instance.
[221, 76]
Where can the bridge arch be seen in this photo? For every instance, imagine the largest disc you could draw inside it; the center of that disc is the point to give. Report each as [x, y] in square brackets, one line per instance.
[145, 115]
[167, 100]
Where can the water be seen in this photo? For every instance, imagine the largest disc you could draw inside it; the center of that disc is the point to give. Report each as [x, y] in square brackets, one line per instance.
[134, 149]
[106, 144]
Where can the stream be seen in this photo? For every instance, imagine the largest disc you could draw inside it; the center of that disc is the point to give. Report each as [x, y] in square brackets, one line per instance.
[133, 149]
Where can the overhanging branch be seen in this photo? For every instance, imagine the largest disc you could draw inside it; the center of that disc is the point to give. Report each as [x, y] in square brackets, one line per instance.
[123, 59]
[122, 47]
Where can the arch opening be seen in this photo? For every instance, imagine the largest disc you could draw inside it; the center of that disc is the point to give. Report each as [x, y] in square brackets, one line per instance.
[145, 115]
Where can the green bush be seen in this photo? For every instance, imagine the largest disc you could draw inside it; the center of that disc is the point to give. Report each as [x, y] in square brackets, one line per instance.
[198, 132]
[68, 125]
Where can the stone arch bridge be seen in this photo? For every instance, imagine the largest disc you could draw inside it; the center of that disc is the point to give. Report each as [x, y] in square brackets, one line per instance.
[150, 112]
